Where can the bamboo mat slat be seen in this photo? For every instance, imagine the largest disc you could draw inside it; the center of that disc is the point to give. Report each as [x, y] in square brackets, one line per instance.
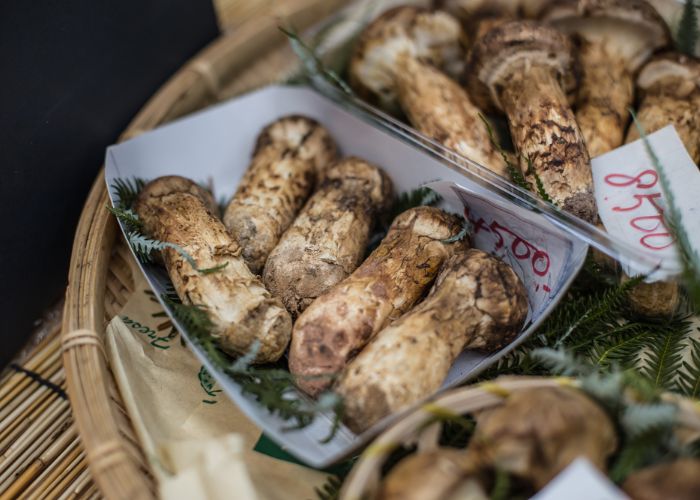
[40, 452]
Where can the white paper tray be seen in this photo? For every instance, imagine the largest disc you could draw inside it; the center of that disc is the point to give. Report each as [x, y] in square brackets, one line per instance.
[216, 144]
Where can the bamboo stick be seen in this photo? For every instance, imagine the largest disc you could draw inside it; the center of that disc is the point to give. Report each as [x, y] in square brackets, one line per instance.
[22, 381]
[29, 405]
[67, 477]
[45, 481]
[36, 476]
[40, 431]
[20, 424]
[20, 457]
[79, 484]
[30, 413]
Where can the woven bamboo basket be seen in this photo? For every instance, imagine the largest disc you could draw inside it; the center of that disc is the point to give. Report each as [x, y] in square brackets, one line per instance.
[422, 429]
[100, 281]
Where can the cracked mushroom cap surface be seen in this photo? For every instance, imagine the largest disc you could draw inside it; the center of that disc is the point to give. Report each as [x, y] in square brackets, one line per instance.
[632, 29]
[512, 47]
[670, 73]
[431, 36]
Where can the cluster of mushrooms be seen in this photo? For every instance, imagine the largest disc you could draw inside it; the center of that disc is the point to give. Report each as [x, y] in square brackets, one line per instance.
[533, 436]
[285, 270]
[564, 73]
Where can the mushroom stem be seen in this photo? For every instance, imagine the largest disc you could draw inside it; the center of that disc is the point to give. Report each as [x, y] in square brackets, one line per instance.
[607, 90]
[439, 108]
[547, 137]
[399, 62]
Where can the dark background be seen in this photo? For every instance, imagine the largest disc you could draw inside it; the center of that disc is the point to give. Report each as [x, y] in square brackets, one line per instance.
[73, 73]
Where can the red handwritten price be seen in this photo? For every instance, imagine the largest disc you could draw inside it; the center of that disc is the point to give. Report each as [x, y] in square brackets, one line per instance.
[519, 247]
[655, 234]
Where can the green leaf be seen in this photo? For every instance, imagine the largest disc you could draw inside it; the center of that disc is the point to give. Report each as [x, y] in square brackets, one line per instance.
[664, 358]
[688, 382]
[144, 246]
[538, 182]
[127, 190]
[127, 216]
[313, 64]
[688, 34]
[638, 419]
[463, 232]
[514, 172]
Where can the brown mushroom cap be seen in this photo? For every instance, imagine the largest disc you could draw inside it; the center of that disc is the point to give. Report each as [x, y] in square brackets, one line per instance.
[631, 29]
[509, 48]
[435, 37]
[465, 9]
[679, 480]
[670, 73]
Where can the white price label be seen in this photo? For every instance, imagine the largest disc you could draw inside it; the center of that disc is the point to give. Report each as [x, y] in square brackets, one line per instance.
[580, 481]
[540, 253]
[631, 201]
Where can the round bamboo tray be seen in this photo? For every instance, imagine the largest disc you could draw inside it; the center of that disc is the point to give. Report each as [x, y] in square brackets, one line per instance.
[100, 279]
[421, 428]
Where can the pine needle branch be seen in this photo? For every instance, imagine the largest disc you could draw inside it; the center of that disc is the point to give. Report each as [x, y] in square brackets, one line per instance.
[514, 172]
[312, 63]
[272, 388]
[688, 34]
[127, 190]
[688, 382]
[144, 247]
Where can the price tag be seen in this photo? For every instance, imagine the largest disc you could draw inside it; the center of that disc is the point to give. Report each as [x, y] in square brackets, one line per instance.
[544, 257]
[580, 481]
[631, 201]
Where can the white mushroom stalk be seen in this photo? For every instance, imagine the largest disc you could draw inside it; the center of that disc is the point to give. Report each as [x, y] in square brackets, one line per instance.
[399, 63]
[525, 69]
[616, 37]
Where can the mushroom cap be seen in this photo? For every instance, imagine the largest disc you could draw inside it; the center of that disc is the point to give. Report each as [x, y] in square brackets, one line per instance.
[435, 37]
[465, 9]
[671, 73]
[511, 47]
[632, 29]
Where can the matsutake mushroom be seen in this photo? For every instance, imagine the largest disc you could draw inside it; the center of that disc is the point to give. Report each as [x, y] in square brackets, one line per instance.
[433, 475]
[670, 87]
[536, 433]
[477, 302]
[242, 311]
[397, 61]
[525, 69]
[477, 16]
[290, 156]
[615, 38]
[679, 480]
[340, 322]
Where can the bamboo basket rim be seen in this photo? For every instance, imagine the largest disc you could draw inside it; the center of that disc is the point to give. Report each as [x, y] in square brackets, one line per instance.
[114, 457]
[421, 427]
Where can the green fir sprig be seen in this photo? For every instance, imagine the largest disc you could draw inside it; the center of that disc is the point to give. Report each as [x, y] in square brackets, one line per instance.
[514, 172]
[127, 190]
[687, 34]
[273, 388]
[312, 63]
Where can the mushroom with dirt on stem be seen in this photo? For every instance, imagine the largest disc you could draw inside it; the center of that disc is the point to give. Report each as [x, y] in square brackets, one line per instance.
[399, 62]
[477, 302]
[525, 69]
[615, 38]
